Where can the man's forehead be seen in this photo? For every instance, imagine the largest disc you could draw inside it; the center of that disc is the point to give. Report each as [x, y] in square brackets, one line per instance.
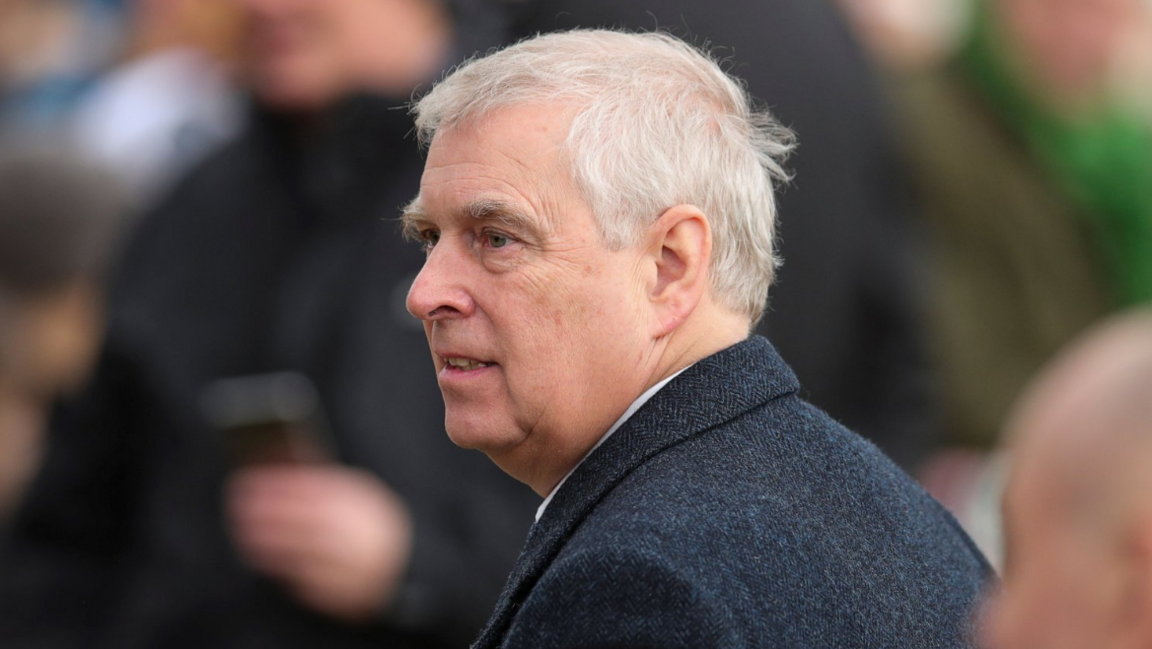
[505, 165]
[529, 130]
[525, 118]
[522, 142]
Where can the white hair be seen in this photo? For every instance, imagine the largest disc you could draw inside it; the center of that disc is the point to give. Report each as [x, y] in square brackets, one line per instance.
[656, 124]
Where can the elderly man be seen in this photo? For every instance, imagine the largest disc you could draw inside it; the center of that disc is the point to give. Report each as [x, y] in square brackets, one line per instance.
[278, 253]
[1079, 500]
[597, 211]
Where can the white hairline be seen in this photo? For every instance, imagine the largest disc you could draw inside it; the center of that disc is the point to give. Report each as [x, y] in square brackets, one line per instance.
[656, 123]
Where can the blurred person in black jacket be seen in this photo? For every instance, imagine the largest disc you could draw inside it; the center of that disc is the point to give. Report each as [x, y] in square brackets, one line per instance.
[281, 252]
[59, 217]
[844, 312]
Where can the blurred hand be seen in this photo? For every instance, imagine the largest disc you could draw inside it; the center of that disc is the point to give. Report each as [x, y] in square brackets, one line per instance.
[338, 538]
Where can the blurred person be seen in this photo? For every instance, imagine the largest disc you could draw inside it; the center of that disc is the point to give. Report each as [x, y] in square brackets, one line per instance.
[278, 253]
[1079, 499]
[846, 313]
[906, 35]
[145, 88]
[171, 98]
[51, 51]
[58, 223]
[597, 213]
[1036, 185]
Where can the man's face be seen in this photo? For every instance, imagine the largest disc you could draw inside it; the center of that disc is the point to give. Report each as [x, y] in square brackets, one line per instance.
[538, 331]
[1064, 578]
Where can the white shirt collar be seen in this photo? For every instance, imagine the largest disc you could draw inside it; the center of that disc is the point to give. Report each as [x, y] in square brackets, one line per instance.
[640, 401]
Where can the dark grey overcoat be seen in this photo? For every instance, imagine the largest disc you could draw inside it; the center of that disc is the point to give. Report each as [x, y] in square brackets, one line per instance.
[729, 512]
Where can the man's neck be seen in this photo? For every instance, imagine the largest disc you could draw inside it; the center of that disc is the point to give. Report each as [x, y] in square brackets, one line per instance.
[706, 333]
[636, 405]
[555, 454]
[695, 339]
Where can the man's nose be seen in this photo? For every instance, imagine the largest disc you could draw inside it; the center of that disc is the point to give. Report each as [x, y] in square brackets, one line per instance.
[439, 292]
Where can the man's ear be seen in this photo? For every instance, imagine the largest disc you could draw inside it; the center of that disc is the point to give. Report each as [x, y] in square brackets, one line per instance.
[679, 247]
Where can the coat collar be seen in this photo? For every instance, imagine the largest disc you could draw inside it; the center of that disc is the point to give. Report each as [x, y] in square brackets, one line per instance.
[715, 390]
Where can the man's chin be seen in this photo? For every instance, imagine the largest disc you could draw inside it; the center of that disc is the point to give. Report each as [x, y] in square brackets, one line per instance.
[480, 436]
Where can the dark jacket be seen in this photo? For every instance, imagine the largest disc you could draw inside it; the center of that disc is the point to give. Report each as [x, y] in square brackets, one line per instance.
[280, 253]
[728, 512]
[844, 311]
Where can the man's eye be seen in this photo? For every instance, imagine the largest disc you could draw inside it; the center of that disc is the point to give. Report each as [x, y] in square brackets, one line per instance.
[497, 240]
[430, 238]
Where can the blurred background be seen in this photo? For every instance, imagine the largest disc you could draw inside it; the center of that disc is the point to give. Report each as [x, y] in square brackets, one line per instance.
[197, 190]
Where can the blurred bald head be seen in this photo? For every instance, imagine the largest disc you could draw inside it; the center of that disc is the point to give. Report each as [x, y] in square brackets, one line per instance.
[1078, 506]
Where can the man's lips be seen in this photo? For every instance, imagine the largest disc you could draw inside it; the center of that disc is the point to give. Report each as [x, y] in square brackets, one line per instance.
[464, 364]
[457, 362]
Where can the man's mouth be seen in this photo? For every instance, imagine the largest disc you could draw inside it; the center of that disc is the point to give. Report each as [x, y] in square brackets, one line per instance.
[465, 364]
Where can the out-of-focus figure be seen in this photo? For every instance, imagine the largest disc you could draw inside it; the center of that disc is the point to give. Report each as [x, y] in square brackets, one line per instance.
[1079, 499]
[1034, 174]
[51, 52]
[171, 98]
[145, 87]
[58, 222]
[906, 35]
[279, 255]
[845, 313]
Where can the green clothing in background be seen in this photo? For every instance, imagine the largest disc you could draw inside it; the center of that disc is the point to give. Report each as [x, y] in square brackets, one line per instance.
[1102, 158]
[1014, 274]
[1039, 222]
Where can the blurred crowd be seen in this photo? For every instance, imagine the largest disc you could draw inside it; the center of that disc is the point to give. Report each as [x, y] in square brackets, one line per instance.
[198, 204]
[1027, 139]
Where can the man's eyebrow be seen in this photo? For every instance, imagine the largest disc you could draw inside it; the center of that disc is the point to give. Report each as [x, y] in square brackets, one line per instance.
[507, 213]
[411, 215]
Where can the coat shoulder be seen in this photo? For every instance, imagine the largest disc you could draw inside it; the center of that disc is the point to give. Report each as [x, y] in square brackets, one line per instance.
[799, 528]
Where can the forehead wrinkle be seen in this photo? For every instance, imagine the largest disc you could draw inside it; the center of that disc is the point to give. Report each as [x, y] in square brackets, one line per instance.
[533, 191]
[537, 175]
[532, 180]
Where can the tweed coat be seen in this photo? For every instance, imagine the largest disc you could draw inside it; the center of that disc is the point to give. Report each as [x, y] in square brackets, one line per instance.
[728, 512]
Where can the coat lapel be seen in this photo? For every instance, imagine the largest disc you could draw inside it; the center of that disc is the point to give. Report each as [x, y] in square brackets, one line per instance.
[711, 392]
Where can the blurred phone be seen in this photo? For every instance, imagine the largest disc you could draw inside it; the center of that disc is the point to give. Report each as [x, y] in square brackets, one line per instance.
[272, 418]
